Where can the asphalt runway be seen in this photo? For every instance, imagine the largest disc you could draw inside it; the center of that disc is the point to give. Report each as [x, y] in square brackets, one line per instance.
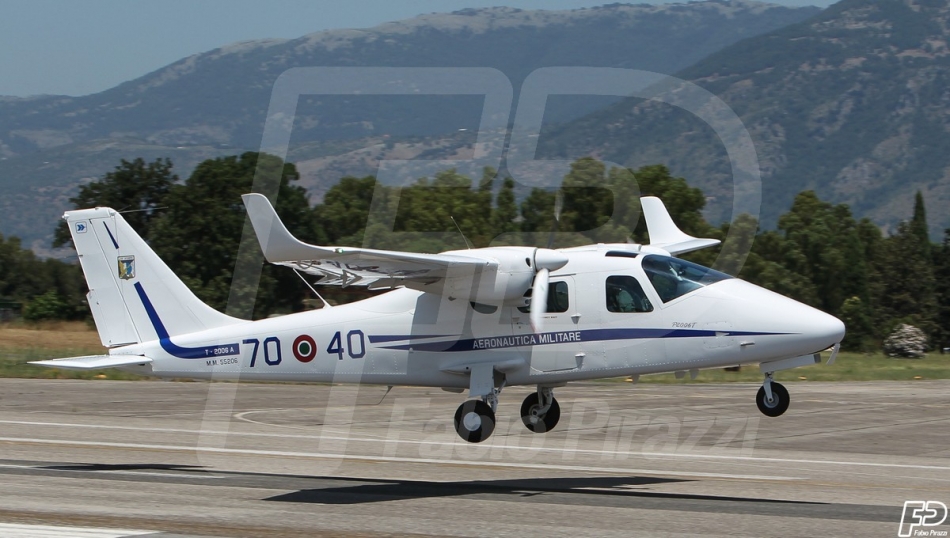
[174, 459]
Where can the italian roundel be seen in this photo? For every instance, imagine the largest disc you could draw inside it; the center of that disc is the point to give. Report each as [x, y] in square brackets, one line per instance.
[305, 349]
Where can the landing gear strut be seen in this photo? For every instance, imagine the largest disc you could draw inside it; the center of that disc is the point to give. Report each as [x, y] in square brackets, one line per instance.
[772, 398]
[540, 411]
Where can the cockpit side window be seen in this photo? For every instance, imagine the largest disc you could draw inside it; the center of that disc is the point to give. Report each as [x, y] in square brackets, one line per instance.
[624, 294]
[673, 277]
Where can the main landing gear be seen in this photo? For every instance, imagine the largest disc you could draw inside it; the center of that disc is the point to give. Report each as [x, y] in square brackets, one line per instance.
[772, 398]
[540, 411]
[475, 419]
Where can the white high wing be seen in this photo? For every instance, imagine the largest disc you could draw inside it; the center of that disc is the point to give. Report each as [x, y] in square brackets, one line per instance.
[460, 320]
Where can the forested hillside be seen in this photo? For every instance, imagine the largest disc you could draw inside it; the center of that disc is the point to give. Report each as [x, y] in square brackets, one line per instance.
[819, 254]
[851, 103]
[214, 104]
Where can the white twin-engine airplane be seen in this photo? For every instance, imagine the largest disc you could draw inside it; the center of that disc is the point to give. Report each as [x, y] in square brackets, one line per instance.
[456, 320]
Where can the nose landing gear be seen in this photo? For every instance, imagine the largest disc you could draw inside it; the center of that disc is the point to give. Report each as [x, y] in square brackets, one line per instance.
[772, 398]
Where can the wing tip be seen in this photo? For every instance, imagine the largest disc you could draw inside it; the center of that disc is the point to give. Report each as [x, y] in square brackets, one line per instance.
[665, 234]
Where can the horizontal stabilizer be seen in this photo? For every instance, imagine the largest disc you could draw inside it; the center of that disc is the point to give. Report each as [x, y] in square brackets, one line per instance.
[664, 233]
[95, 362]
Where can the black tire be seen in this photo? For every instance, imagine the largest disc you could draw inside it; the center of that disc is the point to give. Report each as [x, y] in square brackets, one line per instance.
[480, 423]
[779, 403]
[547, 421]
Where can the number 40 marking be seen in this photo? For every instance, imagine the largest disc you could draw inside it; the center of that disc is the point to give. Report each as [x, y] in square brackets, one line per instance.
[355, 345]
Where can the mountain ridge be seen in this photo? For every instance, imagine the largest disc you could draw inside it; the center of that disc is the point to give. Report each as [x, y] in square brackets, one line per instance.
[214, 103]
[851, 103]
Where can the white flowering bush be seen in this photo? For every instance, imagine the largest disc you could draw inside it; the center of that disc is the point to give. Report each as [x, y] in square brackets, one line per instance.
[906, 341]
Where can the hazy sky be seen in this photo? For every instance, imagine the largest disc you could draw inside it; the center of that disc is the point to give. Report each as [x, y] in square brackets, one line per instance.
[76, 48]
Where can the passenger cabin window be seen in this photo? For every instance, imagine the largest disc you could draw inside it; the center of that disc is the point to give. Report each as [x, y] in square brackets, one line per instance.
[624, 294]
[558, 300]
[673, 277]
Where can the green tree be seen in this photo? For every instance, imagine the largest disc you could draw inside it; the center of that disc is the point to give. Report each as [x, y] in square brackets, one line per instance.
[768, 266]
[24, 278]
[918, 224]
[135, 187]
[908, 295]
[45, 307]
[537, 216]
[941, 258]
[829, 251]
[200, 233]
[860, 334]
[873, 250]
[505, 211]
[588, 204]
[344, 214]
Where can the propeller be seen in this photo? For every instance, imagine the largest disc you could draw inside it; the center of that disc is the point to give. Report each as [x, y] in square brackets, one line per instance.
[539, 298]
[545, 261]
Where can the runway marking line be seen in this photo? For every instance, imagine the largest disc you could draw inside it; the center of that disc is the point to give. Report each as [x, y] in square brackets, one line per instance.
[720, 457]
[15, 530]
[393, 459]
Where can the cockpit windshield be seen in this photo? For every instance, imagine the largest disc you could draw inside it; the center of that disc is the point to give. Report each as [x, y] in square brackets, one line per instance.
[673, 277]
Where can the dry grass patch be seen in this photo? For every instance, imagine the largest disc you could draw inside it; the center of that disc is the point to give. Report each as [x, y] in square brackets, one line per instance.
[50, 336]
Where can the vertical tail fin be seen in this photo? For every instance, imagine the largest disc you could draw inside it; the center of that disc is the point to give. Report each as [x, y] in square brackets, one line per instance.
[133, 295]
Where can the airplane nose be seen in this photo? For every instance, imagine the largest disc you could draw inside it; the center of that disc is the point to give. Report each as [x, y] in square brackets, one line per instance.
[811, 329]
[796, 328]
[827, 328]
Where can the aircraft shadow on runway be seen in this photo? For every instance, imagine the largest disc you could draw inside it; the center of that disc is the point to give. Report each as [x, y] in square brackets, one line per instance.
[93, 467]
[363, 491]
[614, 491]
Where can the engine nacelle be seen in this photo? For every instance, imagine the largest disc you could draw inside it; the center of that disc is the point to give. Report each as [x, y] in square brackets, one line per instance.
[505, 277]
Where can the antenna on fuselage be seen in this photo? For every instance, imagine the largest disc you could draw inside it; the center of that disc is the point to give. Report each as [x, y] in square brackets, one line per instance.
[558, 206]
[459, 228]
[315, 292]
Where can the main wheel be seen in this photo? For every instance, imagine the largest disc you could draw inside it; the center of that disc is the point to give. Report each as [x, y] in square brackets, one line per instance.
[779, 403]
[474, 421]
[536, 422]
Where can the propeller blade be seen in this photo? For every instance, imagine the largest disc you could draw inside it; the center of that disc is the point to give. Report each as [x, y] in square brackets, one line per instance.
[539, 298]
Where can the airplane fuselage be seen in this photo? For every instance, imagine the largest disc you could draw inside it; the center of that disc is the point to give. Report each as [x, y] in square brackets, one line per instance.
[410, 337]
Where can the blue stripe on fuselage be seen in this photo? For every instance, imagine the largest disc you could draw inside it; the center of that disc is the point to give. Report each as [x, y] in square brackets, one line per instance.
[383, 338]
[207, 352]
[564, 337]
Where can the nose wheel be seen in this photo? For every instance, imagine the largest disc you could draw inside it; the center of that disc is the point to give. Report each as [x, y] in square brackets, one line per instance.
[772, 398]
[540, 411]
